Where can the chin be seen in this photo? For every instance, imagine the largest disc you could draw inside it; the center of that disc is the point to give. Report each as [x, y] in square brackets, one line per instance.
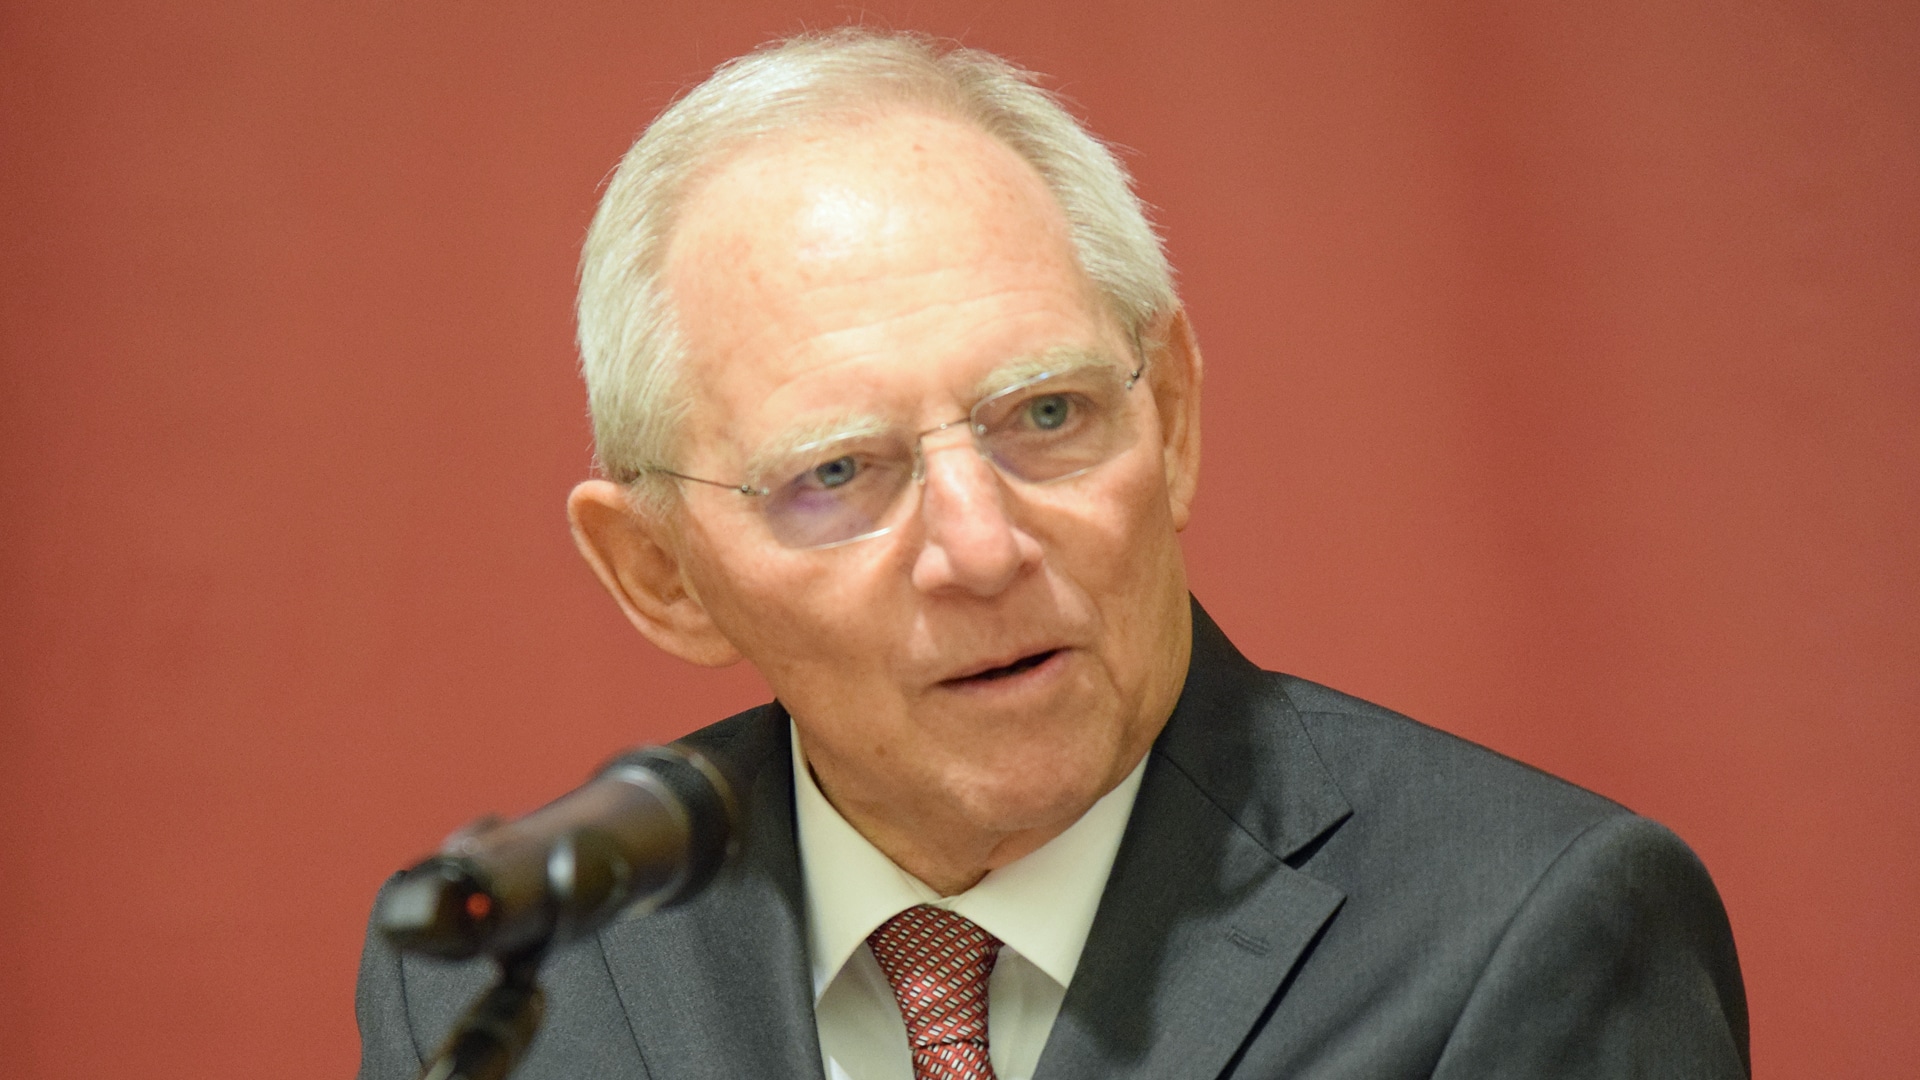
[1042, 795]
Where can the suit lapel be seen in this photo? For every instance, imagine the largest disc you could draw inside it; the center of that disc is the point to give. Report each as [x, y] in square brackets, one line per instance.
[1203, 921]
[718, 987]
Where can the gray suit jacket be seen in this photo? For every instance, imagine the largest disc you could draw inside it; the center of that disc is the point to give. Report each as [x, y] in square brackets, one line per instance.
[1310, 887]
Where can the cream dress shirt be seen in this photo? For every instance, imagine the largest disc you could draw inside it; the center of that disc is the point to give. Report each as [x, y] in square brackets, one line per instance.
[1040, 908]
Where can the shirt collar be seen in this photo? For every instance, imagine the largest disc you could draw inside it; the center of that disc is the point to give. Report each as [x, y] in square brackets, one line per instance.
[1041, 905]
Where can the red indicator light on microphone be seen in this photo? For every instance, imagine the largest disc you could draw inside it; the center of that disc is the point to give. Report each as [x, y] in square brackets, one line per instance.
[478, 905]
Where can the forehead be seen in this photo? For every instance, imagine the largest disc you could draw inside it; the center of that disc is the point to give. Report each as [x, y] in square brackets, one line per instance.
[895, 251]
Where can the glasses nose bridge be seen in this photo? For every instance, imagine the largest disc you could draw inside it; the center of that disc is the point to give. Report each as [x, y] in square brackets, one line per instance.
[921, 450]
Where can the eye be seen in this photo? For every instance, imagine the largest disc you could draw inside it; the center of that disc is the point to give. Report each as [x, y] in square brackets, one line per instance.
[832, 474]
[1049, 412]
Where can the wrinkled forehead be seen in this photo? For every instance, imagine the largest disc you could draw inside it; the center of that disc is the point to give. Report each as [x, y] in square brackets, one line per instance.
[846, 241]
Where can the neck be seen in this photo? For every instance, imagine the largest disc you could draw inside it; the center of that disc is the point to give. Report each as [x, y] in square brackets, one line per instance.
[951, 868]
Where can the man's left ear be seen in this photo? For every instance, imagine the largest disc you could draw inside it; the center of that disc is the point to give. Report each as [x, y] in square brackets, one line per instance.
[1174, 373]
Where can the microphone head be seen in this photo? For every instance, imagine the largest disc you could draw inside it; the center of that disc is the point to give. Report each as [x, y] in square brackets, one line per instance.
[439, 907]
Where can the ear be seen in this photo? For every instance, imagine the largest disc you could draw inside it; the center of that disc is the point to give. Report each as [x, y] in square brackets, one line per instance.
[1174, 375]
[634, 556]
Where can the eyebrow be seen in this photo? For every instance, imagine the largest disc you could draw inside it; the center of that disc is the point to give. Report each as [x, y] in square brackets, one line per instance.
[812, 431]
[822, 428]
[1054, 361]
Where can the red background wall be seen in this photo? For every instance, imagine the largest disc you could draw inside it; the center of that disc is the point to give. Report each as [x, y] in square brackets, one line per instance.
[1563, 392]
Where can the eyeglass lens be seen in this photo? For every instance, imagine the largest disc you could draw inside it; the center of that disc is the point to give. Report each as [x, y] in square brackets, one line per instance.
[1044, 429]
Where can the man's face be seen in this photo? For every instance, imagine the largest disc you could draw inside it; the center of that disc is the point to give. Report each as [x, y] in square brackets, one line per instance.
[1007, 652]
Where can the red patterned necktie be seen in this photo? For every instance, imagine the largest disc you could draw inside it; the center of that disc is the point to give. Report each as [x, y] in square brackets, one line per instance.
[938, 963]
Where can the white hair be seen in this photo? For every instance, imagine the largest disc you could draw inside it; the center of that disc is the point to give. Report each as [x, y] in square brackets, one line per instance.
[631, 351]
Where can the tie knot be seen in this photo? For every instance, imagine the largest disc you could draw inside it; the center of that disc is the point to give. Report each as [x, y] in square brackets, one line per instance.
[938, 963]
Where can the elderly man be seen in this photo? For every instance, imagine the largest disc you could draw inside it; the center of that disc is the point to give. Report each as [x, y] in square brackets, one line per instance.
[898, 404]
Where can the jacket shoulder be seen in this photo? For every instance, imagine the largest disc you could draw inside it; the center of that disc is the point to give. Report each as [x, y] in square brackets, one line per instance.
[1497, 920]
[1392, 767]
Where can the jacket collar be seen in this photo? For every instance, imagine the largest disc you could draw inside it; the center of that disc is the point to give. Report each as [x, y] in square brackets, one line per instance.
[1203, 920]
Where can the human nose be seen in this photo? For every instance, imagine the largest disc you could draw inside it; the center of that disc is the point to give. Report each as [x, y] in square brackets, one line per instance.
[970, 541]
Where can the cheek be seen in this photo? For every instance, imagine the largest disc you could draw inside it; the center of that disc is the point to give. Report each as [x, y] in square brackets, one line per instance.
[1126, 561]
[1122, 532]
[790, 616]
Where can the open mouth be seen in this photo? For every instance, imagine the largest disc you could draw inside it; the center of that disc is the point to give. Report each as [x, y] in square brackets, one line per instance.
[1023, 664]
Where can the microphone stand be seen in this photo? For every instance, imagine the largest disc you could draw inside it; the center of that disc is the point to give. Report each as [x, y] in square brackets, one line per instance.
[493, 1034]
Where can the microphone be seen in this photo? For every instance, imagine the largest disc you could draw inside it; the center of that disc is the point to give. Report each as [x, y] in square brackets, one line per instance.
[649, 830]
